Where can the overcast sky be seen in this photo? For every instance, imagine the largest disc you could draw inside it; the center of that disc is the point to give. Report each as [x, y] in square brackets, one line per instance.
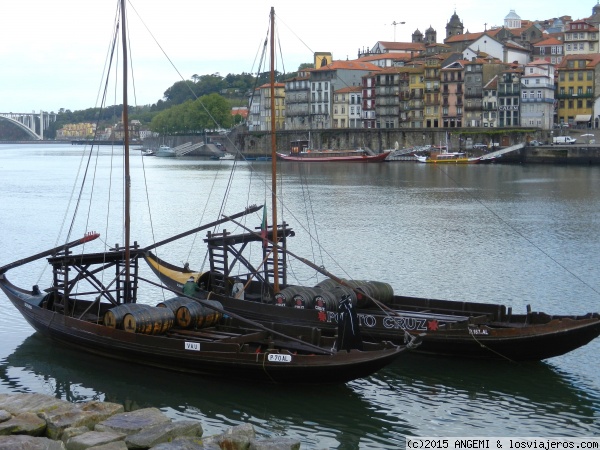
[52, 53]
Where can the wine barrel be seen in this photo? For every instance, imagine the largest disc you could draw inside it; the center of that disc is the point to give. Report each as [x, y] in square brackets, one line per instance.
[304, 297]
[174, 303]
[285, 297]
[340, 291]
[149, 320]
[114, 317]
[198, 315]
[327, 283]
[325, 300]
[380, 291]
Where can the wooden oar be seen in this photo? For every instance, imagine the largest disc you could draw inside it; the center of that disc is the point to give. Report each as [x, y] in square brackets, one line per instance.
[53, 251]
[247, 211]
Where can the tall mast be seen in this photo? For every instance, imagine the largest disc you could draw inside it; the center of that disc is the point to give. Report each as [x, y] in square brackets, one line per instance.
[126, 150]
[274, 158]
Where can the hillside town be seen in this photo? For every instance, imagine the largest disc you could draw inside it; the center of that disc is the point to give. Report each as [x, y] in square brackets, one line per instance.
[542, 73]
[526, 73]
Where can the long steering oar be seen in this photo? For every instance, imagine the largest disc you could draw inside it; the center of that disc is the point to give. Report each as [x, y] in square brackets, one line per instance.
[53, 251]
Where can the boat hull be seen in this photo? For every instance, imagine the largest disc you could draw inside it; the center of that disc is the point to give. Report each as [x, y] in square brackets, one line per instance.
[325, 157]
[430, 160]
[446, 328]
[224, 359]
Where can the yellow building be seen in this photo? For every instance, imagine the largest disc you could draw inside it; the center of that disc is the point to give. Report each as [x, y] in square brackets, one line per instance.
[416, 94]
[76, 131]
[265, 106]
[432, 100]
[576, 88]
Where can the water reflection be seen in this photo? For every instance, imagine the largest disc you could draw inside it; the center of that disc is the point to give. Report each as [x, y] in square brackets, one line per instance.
[471, 398]
[317, 415]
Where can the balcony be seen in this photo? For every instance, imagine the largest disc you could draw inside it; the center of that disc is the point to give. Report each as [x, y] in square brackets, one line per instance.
[573, 96]
[537, 100]
[474, 94]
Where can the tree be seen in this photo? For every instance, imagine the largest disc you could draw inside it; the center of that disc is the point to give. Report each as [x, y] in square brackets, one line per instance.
[208, 112]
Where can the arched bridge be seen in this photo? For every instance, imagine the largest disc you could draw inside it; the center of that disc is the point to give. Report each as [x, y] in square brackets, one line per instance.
[32, 123]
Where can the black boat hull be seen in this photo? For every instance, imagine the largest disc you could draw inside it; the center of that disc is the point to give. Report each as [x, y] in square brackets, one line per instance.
[446, 328]
[219, 359]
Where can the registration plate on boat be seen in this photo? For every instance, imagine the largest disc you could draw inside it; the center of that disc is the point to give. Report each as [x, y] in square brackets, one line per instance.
[276, 357]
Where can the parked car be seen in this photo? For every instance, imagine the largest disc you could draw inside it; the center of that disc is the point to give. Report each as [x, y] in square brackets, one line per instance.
[479, 146]
[535, 143]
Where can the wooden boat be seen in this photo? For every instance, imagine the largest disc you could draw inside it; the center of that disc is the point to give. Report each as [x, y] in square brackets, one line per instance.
[447, 158]
[300, 152]
[95, 304]
[446, 328]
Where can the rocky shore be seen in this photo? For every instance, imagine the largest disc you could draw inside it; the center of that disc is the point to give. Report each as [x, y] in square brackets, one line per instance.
[42, 422]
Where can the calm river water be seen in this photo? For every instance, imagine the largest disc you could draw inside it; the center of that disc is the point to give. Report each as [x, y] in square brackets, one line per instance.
[509, 234]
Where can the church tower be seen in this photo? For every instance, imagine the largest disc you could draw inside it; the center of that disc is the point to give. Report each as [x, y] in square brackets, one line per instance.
[454, 26]
[430, 35]
[417, 36]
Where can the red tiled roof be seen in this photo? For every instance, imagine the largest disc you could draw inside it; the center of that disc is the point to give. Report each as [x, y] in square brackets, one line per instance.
[403, 46]
[350, 65]
[379, 56]
[349, 89]
[464, 37]
[547, 42]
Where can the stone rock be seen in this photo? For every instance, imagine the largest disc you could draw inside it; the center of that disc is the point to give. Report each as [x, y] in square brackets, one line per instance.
[84, 414]
[92, 439]
[119, 445]
[244, 429]
[164, 432]
[24, 423]
[68, 433]
[29, 443]
[35, 403]
[274, 444]
[133, 422]
[188, 443]
[4, 415]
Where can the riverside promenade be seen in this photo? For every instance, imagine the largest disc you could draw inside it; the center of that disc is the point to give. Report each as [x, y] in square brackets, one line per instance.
[36, 421]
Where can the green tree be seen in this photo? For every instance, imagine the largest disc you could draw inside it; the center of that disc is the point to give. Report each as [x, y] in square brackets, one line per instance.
[208, 112]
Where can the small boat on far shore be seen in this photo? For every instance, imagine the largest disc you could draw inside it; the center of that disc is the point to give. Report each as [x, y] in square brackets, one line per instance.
[447, 158]
[301, 152]
[165, 151]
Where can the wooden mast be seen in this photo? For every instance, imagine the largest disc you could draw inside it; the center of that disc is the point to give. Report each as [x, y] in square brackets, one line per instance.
[274, 158]
[127, 186]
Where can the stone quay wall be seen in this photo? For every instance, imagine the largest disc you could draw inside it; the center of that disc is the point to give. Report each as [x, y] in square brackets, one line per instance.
[379, 140]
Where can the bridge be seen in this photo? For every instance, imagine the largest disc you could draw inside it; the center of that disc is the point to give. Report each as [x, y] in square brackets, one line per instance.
[34, 124]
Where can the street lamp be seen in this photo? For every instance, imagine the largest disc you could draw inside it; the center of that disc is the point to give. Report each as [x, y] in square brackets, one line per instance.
[394, 23]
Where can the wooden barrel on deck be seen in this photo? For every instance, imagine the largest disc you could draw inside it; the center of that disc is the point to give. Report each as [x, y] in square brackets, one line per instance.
[197, 315]
[340, 291]
[285, 297]
[150, 320]
[174, 303]
[114, 317]
[327, 283]
[325, 300]
[378, 290]
[304, 297]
